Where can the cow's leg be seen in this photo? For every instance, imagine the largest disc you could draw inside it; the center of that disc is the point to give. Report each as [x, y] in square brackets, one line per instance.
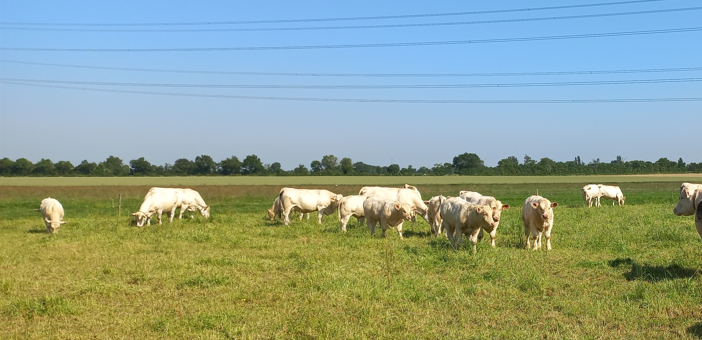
[301, 215]
[527, 233]
[493, 235]
[286, 215]
[537, 241]
[383, 225]
[344, 221]
[698, 222]
[399, 229]
[473, 237]
[458, 235]
[449, 233]
[371, 225]
[182, 209]
[171, 214]
[159, 213]
[361, 220]
[547, 233]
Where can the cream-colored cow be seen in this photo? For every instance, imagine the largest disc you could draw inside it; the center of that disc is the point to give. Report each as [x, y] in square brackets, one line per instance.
[690, 203]
[537, 215]
[611, 192]
[351, 206]
[276, 210]
[407, 194]
[157, 201]
[52, 212]
[324, 202]
[460, 217]
[591, 192]
[387, 212]
[495, 205]
[434, 213]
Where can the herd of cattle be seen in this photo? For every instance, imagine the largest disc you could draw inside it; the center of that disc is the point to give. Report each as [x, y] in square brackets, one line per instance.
[470, 214]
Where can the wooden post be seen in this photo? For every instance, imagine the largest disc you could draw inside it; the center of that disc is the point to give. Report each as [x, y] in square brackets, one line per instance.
[119, 210]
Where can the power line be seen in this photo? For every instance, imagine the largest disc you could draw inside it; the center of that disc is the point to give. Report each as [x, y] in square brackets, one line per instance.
[568, 17]
[384, 17]
[361, 87]
[379, 75]
[389, 101]
[346, 46]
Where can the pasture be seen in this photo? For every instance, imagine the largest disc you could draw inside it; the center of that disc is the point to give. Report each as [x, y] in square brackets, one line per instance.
[627, 272]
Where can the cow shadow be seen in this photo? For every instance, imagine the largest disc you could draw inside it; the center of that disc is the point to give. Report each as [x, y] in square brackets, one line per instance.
[650, 273]
[37, 231]
[695, 330]
[412, 233]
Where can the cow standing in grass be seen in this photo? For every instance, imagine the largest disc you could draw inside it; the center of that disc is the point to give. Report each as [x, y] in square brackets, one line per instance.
[690, 203]
[537, 215]
[460, 217]
[52, 212]
[324, 202]
[591, 192]
[387, 212]
[611, 192]
[407, 194]
[434, 213]
[157, 201]
[351, 206]
[495, 205]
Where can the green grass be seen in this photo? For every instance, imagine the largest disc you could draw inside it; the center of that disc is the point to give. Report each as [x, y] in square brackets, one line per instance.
[334, 180]
[627, 272]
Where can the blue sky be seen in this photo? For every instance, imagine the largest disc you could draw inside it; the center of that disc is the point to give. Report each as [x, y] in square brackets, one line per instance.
[70, 124]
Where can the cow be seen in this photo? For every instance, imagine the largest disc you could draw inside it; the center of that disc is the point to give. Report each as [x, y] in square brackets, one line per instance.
[276, 210]
[324, 202]
[407, 194]
[495, 205]
[387, 212]
[537, 215]
[191, 201]
[351, 206]
[52, 212]
[434, 213]
[690, 203]
[591, 192]
[611, 192]
[157, 201]
[460, 217]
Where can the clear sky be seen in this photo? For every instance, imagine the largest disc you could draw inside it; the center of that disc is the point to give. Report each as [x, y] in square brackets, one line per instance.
[74, 124]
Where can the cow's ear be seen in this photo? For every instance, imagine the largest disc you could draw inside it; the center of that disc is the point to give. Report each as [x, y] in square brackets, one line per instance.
[534, 205]
[505, 206]
[134, 214]
[425, 202]
[37, 210]
[554, 204]
[397, 206]
[479, 210]
[413, 208]
[63, 222]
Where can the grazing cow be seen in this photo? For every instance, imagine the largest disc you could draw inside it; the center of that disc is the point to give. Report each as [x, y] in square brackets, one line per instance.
[591, 192]
[52, 212]
[387, 212]
[460, 217]
[324, 202]
[191, 201]
[276, 210]
[537, 215]
[611, 192]
[407, 194]
[496, 206]
[690, 203]
[157, 201]
[434, 213]
[351, 206]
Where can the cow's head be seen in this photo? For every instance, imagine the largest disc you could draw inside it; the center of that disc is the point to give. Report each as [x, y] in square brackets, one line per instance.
[271, 214]
[497, 208]
[686, 201]
[141, 217]
[407, 211]
[486, 212]
[544, 208]
[53, 226]
[206, 212]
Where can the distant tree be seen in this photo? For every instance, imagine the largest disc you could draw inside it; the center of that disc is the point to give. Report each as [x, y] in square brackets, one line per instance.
[158, 170]
[101, 171]
[140, 167]
[408, 171]
[301, 170]
[393, 170]
[316, 167]
[204, 165]
[230, 166]
[252, 166]
[467, 164]
[442, 169]
[361, 168]
[546, 166]
[424, 170]
[44, 167]
[6, 166]
[183, 167]
[64, 168]
[275, 169]
[508, 166]
[22, 167]
[346, 166]
[528, 160]
[681, 164]
[114, 167]
[85, 167]
[330, 163]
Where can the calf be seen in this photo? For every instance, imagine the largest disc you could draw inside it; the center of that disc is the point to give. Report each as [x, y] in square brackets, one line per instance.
[52, 212]
[495, 205]
[611, 192]
[460, 217]
[434, 213]
[351, 206]
[407, 194]
[387, 212]
[591, 192]
[690, 203]
[276, 210]
[537, 215]
[191, 201]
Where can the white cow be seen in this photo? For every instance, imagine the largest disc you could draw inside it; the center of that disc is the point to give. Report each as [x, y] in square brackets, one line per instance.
[460, 217]
[496, 206]
[434, 213]
[276, 210]
[537, 215]
[591, 192]
[52, 212]
[191, 201]
[351, 206]
[690, 202]
[157, 201]
[611, 192]
[387, 212]
[324, 202]
[407, 194]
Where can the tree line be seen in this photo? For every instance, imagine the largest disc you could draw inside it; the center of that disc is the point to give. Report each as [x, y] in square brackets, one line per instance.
[464, 164]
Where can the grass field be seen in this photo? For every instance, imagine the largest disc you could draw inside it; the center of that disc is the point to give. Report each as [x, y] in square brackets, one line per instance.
[627, 272]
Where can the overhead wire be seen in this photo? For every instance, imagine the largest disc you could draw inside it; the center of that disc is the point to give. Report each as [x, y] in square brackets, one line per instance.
[389, 101]
[381, 17]
[367, 45]
[499, 21]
